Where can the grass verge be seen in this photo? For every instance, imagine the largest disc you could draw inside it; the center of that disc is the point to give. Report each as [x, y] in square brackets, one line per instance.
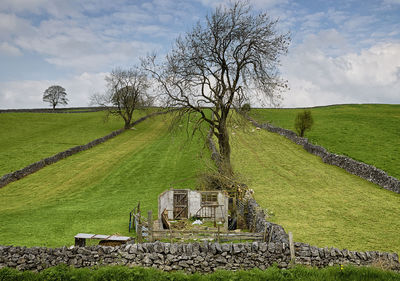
[137, 273]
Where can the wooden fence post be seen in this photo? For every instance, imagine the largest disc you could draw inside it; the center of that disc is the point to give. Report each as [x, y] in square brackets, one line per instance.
[139, 233]
[150, 225]
[291, 245]
[265, 234]
[270, 234]
[134, 218]
[139, 212]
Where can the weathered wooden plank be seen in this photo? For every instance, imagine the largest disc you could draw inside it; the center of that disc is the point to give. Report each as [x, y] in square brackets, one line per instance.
[100, 236]
[118, 238]
[84, 235]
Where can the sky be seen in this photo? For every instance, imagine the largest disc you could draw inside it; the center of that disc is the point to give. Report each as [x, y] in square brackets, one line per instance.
[341, 51]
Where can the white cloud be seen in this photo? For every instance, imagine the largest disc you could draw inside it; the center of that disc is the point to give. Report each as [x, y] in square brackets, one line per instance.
[18, 94]
[32, 6]
[68, 44]
[350, 60]
[7, 49]
[11, 24]
[259, 4]
[28, 94]
[317, 78]
[359, 23]
[64, 35]
[391, 2]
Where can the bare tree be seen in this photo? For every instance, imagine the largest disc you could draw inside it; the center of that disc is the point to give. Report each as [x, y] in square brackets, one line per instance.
[55, 95]
[126, 92]
[219, 64]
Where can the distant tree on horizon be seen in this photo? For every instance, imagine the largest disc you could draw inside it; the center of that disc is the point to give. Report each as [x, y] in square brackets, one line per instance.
[55, 95]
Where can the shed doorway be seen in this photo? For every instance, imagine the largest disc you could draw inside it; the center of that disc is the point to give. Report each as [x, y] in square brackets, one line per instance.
[180, 204]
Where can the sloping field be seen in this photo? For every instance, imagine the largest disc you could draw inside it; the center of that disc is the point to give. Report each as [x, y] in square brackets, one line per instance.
[320, 204]
[28, 137]
[93, 191]
[369, 132]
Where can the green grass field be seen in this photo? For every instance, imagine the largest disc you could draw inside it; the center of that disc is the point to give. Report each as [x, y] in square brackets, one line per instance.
[367, 133]
[320, 204]
[125, 273]
[93, 191]
[29, 137]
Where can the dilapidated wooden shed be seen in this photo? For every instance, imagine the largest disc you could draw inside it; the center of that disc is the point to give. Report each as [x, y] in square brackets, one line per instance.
[186, 203]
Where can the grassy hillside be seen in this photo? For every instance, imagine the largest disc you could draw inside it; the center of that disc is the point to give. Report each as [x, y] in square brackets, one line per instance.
[28, 137]
[368, 133]
[93, 191]
[321, 204]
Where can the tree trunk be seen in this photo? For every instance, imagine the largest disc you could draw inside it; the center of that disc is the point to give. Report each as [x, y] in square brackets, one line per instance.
[127, 124]
[224, 151]
[127, 120]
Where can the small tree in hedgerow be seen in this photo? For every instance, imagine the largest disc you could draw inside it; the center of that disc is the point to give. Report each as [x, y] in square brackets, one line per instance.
[232, 56]
[303, 122]
[245, 109]
[55, 95]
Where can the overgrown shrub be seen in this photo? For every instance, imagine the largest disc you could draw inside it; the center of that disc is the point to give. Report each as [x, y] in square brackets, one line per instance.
[303, 122]
[215, 180]
[245, 108]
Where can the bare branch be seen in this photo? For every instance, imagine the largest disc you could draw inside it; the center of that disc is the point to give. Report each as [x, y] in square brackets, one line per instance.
[126, 93]
[222, 62]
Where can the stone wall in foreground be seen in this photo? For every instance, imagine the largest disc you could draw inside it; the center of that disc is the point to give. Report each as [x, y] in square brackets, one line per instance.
[365, 171]
[192, 257]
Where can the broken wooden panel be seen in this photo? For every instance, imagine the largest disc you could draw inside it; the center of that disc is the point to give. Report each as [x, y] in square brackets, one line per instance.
[180, 204]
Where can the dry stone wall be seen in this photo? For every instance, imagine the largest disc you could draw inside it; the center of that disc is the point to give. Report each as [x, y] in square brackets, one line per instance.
[213, 149]
[352, 166]
[255, 220]
[192, 257]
